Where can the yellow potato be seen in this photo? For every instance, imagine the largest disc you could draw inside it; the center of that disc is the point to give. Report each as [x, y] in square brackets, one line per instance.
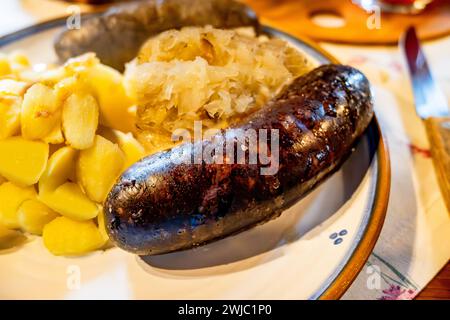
[9, 116]
[23, 161]
[5, 67]
[98, 167]
[55, 136]
[107, 85]
[80, 120]
[67, 86]
[11, 197]
[70, 201]
[40, 112]
[10, 238]
[81, 63]
[19, 57]
[2, 180]
[101, 225]
[60, 168]
[131, 148]
[52, 76]
[34, 215]
[64, 236]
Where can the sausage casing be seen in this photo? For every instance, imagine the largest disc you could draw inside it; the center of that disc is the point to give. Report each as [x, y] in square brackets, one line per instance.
[160, 205]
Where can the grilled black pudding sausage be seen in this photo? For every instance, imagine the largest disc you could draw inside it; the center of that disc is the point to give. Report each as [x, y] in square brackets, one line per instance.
[117, 35]
[160, 205]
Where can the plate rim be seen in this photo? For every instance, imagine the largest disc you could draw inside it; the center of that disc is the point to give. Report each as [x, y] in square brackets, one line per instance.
[339, 285]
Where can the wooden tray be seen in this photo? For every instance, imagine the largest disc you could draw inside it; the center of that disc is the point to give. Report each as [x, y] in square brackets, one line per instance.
[295, 17]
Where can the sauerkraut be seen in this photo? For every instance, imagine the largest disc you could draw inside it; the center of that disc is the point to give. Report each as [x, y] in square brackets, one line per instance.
[213, 75]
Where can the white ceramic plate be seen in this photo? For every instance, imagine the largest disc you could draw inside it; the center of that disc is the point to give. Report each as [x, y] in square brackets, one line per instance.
[314, 250]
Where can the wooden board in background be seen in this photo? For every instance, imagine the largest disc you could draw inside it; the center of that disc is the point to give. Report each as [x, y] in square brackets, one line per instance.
[294, 16]
[439, 287]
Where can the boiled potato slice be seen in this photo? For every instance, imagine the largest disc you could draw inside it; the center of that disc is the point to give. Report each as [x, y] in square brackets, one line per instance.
[131, 148]
[98, 167]
[5, 67]
[101, 226]
[40, 112]
[20, 58]
[34, 215]
[60, 168]
[64, 236]
[9, 116]
[23, 161]
[65, 87]
[52, 76]
[70, 201]
[10, 238]
[80, 120]
[11, 197]
[107, 85]
[81, 63]
[55, 136]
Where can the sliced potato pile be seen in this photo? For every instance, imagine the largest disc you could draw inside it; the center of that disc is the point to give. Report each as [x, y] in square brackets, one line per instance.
[66, 134]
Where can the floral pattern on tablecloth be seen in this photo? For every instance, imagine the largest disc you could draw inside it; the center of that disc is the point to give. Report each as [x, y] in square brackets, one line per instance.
[394, 284]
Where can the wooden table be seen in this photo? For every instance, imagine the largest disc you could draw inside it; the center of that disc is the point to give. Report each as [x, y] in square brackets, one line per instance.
[439, 287]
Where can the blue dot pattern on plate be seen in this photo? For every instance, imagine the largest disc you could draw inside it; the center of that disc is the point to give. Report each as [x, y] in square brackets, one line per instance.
[333, 235]
[337, 236]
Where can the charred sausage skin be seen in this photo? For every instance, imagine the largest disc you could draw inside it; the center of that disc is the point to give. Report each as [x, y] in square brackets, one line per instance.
[159, 206]
[117, 35]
